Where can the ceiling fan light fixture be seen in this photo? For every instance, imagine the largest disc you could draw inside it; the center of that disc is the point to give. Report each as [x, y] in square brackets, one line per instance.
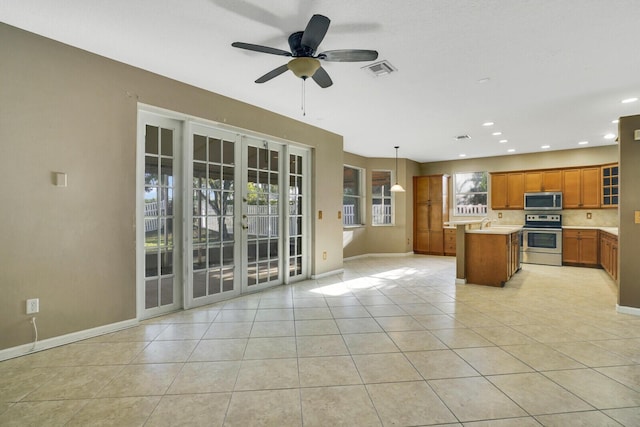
[304, 67]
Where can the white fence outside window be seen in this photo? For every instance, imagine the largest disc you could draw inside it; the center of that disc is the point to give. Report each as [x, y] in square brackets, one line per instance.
[471, 210]
[381, 214]
[262, 220]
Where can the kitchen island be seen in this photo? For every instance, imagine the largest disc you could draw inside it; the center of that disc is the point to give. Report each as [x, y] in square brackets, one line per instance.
[492, 255]
[488, 255]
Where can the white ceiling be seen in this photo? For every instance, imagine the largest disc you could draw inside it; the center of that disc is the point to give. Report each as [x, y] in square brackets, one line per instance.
[557, 70]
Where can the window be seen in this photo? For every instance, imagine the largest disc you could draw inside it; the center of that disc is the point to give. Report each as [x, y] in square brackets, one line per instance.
[471, 193]
[352, 199]
[381, 197]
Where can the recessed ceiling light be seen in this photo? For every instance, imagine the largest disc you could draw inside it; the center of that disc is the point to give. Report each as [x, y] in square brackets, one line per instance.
[511, 150]
[463, 155]
[609, 136]
[616, 121]
[629, 100]
[496, 133]
[488, 124]
[503, 141]
[484, 80]
[583, 142]
[544, 147]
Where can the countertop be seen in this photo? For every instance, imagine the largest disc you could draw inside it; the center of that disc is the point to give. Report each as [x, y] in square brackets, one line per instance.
[610, 230]
[497, 229]
[463, 222]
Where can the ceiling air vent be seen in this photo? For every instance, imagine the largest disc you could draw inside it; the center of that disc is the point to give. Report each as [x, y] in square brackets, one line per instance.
[380, 68]
[462, 137]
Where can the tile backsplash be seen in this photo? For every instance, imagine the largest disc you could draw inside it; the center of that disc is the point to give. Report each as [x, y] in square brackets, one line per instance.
[575, 217]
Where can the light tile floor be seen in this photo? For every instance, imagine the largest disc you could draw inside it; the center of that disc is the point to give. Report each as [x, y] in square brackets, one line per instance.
[391, 341]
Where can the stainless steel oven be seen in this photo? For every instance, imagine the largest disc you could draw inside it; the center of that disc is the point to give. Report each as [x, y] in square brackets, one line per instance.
[542, 240]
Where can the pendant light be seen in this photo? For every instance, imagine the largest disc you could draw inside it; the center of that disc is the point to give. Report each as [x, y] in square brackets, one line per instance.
[397, 188]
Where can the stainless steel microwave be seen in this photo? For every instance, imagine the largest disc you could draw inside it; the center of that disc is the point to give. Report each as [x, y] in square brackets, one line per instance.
[543, 201]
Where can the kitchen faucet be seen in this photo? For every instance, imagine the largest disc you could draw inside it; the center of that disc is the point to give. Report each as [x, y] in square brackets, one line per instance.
[482, 222]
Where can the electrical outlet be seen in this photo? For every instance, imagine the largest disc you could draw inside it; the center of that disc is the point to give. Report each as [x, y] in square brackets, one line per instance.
[33, 305]
[324, 255]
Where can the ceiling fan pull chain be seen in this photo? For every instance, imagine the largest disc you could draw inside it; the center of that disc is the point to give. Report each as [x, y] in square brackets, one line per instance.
[304, 111]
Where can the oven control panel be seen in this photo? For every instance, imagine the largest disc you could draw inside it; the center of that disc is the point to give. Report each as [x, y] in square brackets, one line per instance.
[543, 220]
[541, 217]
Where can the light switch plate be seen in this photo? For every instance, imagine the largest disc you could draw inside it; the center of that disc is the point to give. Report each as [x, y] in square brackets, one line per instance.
[60, 179]
[637, 217]
[636, 134]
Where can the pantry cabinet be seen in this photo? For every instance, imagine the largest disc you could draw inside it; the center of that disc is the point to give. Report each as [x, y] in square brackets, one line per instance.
[580, 247]
[507, 190]
[581, 188]
[430, 212]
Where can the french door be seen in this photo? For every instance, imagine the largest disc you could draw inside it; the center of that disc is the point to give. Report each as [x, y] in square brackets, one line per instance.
[238, 215]
[159, 210]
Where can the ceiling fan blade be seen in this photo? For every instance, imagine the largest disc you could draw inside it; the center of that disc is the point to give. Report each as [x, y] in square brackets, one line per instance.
[322, 78]
[349, 55]
[315, 32]
[259, 48]
[273, 73]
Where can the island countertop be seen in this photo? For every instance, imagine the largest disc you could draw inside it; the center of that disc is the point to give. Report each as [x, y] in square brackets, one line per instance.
[496, 229]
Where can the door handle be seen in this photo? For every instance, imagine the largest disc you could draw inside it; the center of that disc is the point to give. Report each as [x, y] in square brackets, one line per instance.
[245, 222]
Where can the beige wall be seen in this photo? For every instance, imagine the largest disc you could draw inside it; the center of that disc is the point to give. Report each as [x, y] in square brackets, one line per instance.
[63, 109]
[629, 231]
[368, 239]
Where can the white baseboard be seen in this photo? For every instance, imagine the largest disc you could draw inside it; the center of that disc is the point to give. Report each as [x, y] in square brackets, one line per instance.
[327, 274]
[461, 281]
[374, 255]
[628, 310]
[22, 350]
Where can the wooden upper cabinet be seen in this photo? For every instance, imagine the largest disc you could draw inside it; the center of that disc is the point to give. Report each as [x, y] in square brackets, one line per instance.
[581, 188]
[507, 190]
[537, 181]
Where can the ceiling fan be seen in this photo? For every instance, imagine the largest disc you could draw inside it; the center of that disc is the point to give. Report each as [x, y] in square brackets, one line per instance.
[305, 62]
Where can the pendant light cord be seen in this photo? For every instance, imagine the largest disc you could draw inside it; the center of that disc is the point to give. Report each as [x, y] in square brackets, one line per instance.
[396, 147]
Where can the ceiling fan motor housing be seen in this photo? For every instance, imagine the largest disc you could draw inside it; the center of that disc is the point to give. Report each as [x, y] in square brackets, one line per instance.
[295, 44]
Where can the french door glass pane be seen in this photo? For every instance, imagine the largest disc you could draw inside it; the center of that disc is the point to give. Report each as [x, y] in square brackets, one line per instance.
[158, 213]
[213, 213]
[295, 215]
[263, 215]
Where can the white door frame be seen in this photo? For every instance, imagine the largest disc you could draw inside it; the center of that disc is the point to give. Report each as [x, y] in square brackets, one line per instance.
[184, 190]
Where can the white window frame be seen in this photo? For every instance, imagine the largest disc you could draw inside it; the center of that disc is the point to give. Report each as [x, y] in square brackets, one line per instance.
[390, 197]
[472, 210]
[358, 222]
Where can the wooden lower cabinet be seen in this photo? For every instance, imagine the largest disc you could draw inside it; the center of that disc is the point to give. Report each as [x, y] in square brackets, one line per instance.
[491, 259]
[450, 241]
[580, 247]
[609, 253]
